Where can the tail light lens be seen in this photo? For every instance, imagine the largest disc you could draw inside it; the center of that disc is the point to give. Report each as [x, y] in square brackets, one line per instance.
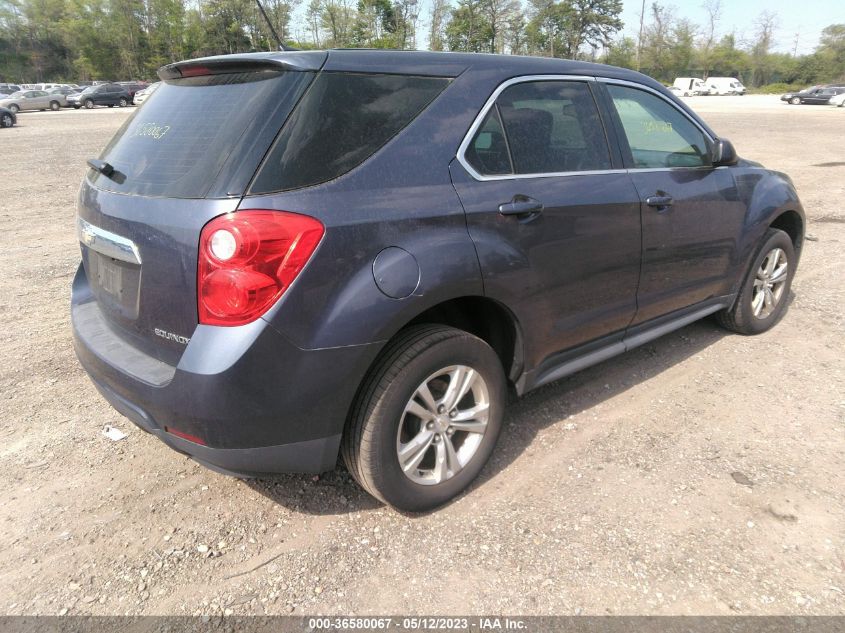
[247, 260]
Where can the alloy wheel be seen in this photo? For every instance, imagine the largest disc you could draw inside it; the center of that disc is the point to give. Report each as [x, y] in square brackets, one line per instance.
[769, 283]
[443, 425]
[6, 120]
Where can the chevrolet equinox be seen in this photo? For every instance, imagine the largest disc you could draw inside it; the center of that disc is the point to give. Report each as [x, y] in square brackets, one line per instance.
[292, 256]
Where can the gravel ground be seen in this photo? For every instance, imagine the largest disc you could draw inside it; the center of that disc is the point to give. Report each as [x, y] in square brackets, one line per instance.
[701, 474]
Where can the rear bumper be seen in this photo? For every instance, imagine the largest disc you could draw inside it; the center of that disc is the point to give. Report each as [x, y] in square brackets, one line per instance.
[255, 402]
[310, 456]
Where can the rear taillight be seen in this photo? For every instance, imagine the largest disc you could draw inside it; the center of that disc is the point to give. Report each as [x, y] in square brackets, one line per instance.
[247, 259]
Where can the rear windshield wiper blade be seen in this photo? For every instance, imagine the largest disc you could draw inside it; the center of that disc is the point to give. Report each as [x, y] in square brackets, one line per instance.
[101, 166]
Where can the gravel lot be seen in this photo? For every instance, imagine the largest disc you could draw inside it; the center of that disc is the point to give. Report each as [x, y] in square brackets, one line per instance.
[704, 473]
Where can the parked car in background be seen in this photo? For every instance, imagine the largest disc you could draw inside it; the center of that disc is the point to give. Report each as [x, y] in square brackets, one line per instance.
[370, 257]
[725, 86]
[7, 118]
[30, 100]
[691, 86]
[8, 89]
[132, 87]
[143, 95]
[102, 94]
[814, 95]
[62, 94]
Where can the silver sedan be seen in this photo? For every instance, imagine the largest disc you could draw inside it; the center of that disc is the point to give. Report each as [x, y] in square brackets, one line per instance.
[30, 100]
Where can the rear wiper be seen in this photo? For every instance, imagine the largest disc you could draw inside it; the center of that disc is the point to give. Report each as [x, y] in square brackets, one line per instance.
[101, 166]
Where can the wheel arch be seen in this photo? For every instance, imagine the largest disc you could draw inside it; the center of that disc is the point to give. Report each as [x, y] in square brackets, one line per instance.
[791, 223]
[485, 318]
[481, 316]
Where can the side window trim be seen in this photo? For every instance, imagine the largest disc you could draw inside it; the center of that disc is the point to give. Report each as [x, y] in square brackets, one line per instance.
[505, 135]
[622, 139]
[491, 102]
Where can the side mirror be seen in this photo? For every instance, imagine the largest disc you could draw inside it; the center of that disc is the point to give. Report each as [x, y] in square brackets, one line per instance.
[724, 153]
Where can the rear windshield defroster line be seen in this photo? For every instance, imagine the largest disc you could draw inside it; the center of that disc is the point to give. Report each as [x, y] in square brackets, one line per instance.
[342, 120]
[190, 131]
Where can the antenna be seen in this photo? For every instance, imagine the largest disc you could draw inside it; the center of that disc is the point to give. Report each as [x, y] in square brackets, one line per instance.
[282, 47]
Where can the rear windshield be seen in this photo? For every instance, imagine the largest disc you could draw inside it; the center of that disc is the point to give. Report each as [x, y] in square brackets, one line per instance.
[196, 130]
[342, 120]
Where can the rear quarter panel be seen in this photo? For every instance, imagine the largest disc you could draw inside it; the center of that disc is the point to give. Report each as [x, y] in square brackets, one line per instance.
[402, 196]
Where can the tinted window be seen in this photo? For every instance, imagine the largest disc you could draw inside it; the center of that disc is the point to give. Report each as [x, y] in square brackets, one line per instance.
[178, 143]
[553, 126]
[658, 134]
[488, 151]
[341, 121]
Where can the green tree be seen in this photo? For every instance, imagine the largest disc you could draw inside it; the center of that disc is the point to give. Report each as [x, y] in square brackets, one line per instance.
[622, 52]
[563, 29]
[468, 29]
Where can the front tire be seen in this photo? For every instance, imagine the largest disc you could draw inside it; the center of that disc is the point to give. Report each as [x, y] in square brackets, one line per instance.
[795, 101]
[764, 294]
[6, 121]
[427, 418]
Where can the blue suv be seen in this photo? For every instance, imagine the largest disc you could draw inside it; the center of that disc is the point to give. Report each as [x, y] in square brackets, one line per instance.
[288, 257]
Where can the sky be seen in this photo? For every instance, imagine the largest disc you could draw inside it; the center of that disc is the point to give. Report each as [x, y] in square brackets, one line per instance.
[802, 18]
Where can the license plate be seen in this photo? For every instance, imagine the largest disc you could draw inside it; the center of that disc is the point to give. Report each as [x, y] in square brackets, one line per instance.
[110, 277]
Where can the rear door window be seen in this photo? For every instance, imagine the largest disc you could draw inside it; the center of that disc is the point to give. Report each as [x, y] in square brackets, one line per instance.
[198, 130]
[342, 120]
[541, 127]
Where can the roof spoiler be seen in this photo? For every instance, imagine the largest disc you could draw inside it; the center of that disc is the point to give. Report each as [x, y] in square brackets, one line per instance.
[248, 62]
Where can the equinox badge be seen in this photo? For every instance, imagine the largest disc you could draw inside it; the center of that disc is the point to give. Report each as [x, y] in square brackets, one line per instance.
[170, 336]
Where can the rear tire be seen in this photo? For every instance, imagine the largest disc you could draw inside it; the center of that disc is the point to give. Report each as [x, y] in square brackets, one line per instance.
[55, 106]
[411, 441]
[764, 294]
[14, 108]
[89, 104]
[122, 103]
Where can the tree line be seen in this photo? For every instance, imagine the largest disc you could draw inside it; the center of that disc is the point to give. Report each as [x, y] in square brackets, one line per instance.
[68, 40]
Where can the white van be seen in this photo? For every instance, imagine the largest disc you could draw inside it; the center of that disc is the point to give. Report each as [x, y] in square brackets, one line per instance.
[49, 86]
[726, 86]
[690, 86]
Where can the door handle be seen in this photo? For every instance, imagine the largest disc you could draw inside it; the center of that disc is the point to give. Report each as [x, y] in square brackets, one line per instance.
[521, 205]
[661, 203]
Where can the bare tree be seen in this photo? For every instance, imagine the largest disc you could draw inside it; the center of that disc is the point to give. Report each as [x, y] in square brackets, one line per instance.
[498, 13]
[713, 8]
[761, 63]
[439, 9]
